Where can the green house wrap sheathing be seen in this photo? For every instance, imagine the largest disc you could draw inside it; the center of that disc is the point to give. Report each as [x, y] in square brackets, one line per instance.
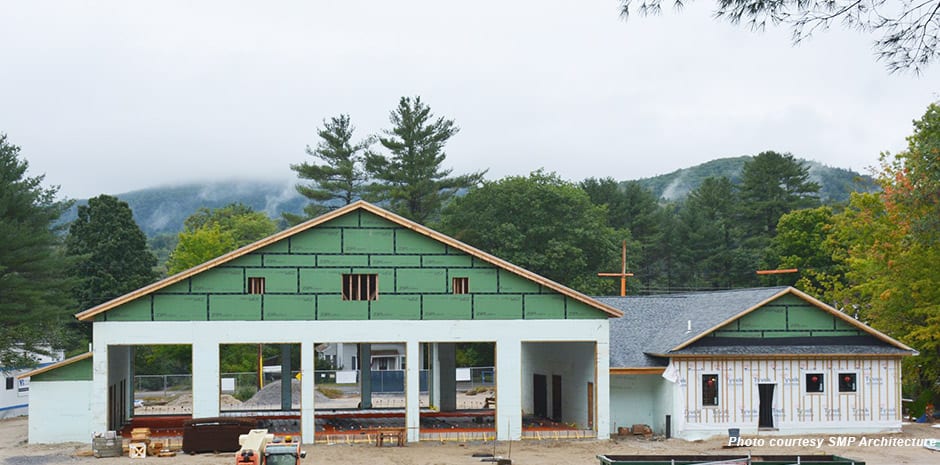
[303, 281]
[80, 370]
[787, 316]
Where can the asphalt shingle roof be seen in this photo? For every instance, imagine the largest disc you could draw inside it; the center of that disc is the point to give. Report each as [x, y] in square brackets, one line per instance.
[651, 326]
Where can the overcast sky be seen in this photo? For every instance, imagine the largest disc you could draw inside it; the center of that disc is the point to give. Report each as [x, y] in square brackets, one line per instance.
[109, 97]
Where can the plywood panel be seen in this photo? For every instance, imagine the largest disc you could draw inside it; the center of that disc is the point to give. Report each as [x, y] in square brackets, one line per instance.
[318, 240]
[370, 220]
[179, 307]
[447, 261]
[481, 279]
[322, 280]
[803, 317]
[342, 260]
[235, 307]
[421, 280]
[544, 306]
[289, 260]
[275, 279]
[397, 307]
[511, 282]
[219, 280]
[411, 242]
[767, 318]
[289, 307]
[409, 261]
[447, 307]
[368, 241]
[497, 307]
[331, 307]
[135, 310]
[579, 311]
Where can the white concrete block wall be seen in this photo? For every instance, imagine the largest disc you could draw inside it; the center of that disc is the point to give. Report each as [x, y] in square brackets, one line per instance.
[60, 412]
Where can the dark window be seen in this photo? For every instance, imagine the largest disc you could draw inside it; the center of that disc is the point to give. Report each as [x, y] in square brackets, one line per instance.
[815, 382]
[9, 383]
[709, 389]
[846, 382]
[461, 285]
[360, 286]
[256, 285]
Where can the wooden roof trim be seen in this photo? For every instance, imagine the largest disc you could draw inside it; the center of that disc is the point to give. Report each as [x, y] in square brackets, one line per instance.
[852, 321]
[812, 300]
[222, 259]
[638, 371]
[56, 365]
[399, 220]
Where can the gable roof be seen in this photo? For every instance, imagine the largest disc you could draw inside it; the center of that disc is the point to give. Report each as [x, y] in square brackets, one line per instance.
[654, 328]
[310, 224]
[56, 365]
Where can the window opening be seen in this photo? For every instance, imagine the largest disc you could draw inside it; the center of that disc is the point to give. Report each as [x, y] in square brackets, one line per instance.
[709, 389]
[360, 286]
[847, 382]
[9, 383]
[461, 285]
[255, 285]
[815, 382]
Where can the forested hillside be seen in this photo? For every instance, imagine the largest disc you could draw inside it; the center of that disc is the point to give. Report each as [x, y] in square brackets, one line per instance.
[163, 209]
[835, 183]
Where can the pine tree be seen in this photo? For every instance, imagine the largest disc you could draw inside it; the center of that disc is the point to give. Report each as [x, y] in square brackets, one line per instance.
[773, 184]
[341, 176]
[411, 179]
[34, 302]
[112, 257]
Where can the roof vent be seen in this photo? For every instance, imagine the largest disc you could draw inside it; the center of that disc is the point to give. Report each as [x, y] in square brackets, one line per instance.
[689, 327]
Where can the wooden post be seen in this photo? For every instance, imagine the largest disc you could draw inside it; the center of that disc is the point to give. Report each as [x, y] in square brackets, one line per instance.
[623, 275]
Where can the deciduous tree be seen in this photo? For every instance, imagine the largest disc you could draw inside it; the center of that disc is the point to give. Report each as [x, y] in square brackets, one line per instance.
[541, 223]
[211, 233]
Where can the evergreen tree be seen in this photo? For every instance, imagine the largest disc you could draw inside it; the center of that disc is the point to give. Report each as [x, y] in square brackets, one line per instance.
[411, 179]
[773, 184]
[34, 296]
[710, 231]
[110, 250]
[341, 176]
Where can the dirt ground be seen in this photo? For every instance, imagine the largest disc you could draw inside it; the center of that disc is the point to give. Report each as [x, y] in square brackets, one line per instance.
[15, 451]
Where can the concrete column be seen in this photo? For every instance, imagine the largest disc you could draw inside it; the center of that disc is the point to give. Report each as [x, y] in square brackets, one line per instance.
[508, 389]
[365, 376]
[434, 378]
[413, 390]
[307, 386]
[205, 379]
[602, 397]
[99, 386]
[448, 376]
[286, 379]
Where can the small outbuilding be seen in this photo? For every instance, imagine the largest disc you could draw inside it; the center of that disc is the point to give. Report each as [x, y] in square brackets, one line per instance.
[768, 360]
